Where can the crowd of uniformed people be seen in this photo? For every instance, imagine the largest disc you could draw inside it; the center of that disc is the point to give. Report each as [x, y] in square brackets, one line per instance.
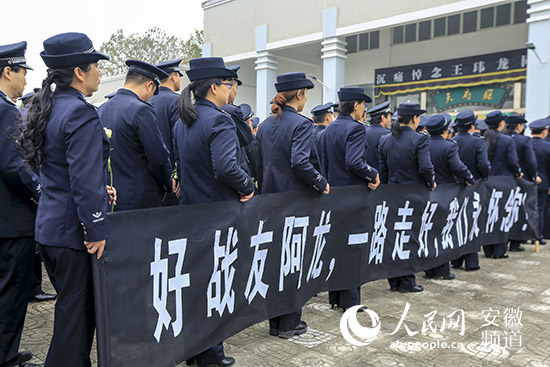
[64, 164]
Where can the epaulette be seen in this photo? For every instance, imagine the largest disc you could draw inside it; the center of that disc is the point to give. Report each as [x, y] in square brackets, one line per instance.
[90, 104]
[222, 111]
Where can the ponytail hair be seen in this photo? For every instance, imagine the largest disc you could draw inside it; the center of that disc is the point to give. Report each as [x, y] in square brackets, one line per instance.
[199, 89]
[395, 126]
[281, 99]
[31, 136]
[491, 137]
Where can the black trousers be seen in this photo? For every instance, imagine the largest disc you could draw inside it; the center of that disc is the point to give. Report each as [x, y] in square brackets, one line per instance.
[470, 261]
[496, 250]
[346, 298]
[404, 282]
[285, 322]
[542, 198]
[210, 356]
[440, 270]
[36, 287]
[16, 259]
[74, 324]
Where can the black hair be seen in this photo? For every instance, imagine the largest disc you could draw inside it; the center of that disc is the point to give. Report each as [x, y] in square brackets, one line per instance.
[377, 119]
[491, 137]
[199, 88]
[395, 126]
[137, 78]
[346, 107]
[537, 131]
[319, 119]
[31, 137]
[463, 128]
[15, 68]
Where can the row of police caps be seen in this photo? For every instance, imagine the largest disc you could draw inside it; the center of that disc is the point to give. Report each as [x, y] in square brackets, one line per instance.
[72, 49]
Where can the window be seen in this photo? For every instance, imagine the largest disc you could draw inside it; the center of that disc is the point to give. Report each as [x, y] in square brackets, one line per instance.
[374, 39]
[453, 24]
[487, 18]
[520, 11]
[469, 22]
[503, 14]
[425, 30]
[440, 25]
[352, 44]
[363, 41]
[410, 32]
[397, 35]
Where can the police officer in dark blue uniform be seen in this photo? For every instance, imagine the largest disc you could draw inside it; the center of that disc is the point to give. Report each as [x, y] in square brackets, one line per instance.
[166, 108]
[421, 128]
[65, 138]
[380, 120]
[19, 192]
[539, 132]
[473, 152]
[502, 153]
[207, 147]
[285, 149]
[527, 160]
[248, 145]
[322, 117]
[480, 128]
[346, 152]
[139, 159]
[448, 169]
[405, 159]
[255, 124]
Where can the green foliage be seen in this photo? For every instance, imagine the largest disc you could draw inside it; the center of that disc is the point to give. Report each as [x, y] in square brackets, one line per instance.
[153, 47]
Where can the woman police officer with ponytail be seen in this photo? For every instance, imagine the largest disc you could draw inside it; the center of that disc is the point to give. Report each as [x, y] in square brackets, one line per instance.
[504, 162]
[65, 140]
[405, 159]
[206, 149]
[286, 141]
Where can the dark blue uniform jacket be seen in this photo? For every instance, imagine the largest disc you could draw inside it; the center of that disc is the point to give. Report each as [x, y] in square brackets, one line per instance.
[19, 188]
[73, 204]
[319, 142]
[406, 160]
[248, 145]
[346, 148]
[166, 109]
[207, 158]
[139, 159]
[542, 153]
[472, 150]
[505, 162]
[374, 133]
[285, 149]
[526, 156]
[447, 164]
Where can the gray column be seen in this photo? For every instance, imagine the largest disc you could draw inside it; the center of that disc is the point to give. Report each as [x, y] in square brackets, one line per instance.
[538, 73]
[266, 74]
[334, 57]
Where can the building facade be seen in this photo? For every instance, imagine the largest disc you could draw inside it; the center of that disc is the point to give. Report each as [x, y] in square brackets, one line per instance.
[447, 55]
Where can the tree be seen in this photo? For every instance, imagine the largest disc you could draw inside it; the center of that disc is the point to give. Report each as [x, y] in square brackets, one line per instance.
[153, 47]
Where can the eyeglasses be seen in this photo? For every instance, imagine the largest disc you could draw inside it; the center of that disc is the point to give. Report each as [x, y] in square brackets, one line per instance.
[229, 85]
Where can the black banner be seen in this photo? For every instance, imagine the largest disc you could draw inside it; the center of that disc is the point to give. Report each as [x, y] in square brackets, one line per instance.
[175, 281]
[469, 71]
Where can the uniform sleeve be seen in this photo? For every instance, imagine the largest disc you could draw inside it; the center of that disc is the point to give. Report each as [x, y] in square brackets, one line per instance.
[25, 183]
[425, 166]
[299, 157]
[482, 159]
[530, 161]
[158, 157]
[355, 155]
[382, 161]
[223, 152]
[458, 168]
[247, 140]
[84, 142]
[512, 157]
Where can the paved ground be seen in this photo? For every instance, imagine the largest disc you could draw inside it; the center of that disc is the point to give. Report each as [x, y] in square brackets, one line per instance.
[506, 309]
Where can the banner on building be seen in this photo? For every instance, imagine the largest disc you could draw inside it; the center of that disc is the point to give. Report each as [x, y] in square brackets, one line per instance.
[463, 72]
[175, 281]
